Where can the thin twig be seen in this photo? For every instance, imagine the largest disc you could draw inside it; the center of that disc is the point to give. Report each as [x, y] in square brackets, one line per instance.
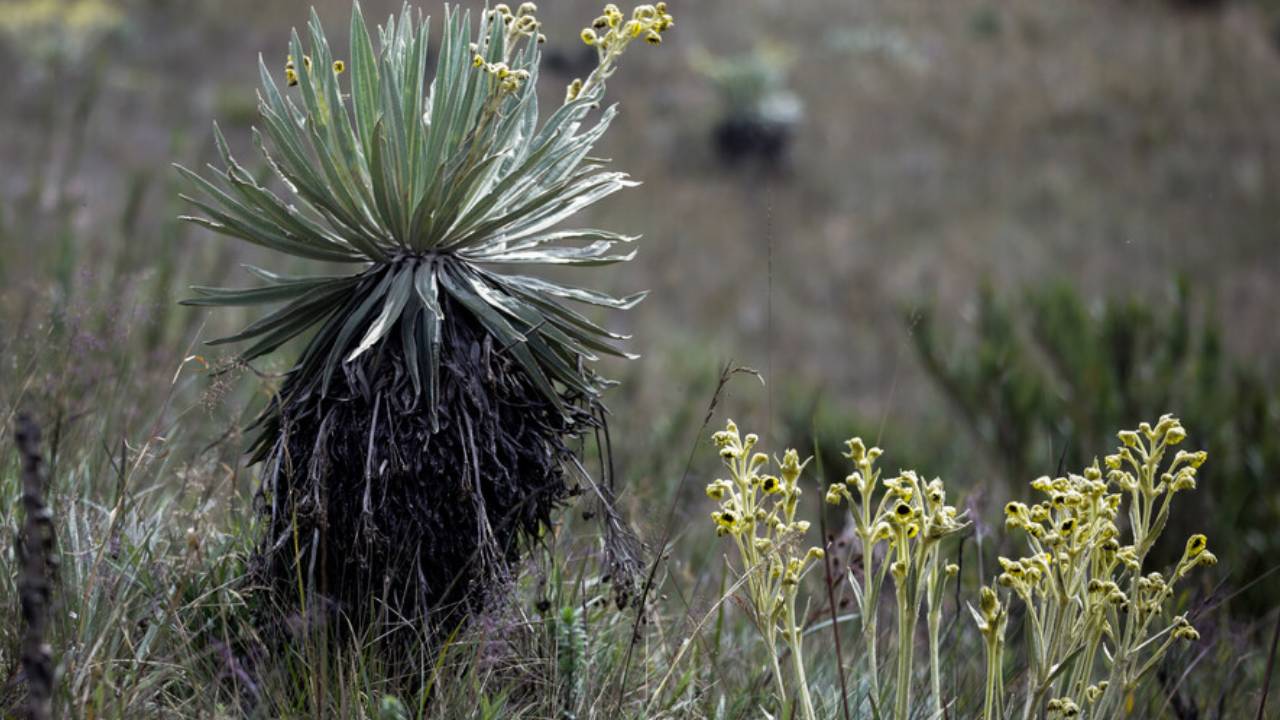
[1271, 666]
[830, 581]
[726, 374]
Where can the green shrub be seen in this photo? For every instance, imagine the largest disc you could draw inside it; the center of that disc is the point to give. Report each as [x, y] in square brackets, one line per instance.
[1046, 375]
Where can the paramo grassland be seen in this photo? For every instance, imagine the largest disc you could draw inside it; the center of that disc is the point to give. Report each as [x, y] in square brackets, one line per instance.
[985, 236]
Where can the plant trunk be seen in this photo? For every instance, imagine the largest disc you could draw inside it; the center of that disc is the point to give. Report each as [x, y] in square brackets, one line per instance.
[374, 513]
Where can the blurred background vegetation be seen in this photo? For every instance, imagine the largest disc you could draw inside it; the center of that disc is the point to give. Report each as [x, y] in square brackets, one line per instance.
[989, 233]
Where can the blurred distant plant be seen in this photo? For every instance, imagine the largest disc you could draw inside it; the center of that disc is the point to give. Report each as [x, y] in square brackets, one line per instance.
[758, 113]
[58, 30]
[1047, 374]
[422, 435]
[1098, 620]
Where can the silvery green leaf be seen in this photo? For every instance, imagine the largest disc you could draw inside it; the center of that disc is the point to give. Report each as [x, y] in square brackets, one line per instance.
[397, 296]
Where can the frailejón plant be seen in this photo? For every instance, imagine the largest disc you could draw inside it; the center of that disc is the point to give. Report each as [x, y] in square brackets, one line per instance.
[422, 432]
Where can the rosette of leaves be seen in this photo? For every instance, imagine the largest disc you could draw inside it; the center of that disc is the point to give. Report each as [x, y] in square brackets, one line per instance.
[424, 433]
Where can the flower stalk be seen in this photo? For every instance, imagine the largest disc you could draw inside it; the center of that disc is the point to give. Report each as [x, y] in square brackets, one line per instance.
[757, 511]
[1097, 623]
[912, 516]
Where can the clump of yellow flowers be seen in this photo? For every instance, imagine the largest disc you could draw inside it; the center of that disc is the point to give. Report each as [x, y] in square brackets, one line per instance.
[523, 24]
[611, 33]
[757, 511]
[912, 517]
[291, 69]
[1098, 622]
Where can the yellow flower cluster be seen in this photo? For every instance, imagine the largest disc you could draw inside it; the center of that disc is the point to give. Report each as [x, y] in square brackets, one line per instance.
[508, 80]
[1063, 708]
[609, 29]
[291, 70]
[1076, 525]
[757, 509]
[913, 517]
[1084, 585]
[523, 24]
[612, 32]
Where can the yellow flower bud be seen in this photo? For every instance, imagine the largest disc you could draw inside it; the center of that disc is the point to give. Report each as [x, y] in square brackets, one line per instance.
[653, 38]
[571, 93]
[589, 37]
[988, 602]
[339, 67]
[1196, 544]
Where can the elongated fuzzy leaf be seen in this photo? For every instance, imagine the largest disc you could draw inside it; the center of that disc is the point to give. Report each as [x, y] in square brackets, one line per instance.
[397, 296]
[590, 297]
[597, 253]
[352, 323]
[224, 297]
[298, 315]
[364, 80]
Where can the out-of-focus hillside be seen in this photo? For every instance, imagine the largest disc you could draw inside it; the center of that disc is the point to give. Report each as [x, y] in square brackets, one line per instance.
[984, 235]
[1110, 142]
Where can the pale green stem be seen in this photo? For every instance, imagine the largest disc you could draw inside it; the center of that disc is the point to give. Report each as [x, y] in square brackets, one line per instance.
[797, 660]
[935, 666]
[994, 669]
[906, 649]
[871, 601]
